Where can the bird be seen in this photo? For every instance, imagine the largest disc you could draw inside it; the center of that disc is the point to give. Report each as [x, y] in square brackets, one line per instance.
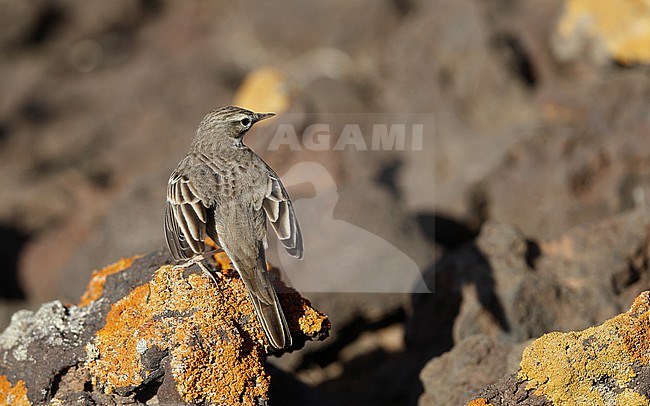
[223, 190]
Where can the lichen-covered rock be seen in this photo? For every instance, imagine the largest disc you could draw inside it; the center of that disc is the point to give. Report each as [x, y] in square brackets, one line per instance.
[12, 394]
[144, 330]
[607, 364]
[606, 29]
[37, 347]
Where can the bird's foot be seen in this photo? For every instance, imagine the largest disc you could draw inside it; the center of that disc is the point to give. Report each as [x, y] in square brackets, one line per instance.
[208, 273]
[187, 264]
[197, 259]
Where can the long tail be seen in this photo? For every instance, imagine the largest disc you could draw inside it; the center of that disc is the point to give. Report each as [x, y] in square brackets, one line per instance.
[268, 309]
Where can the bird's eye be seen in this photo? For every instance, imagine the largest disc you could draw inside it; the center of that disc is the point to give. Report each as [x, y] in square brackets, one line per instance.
[246, 122]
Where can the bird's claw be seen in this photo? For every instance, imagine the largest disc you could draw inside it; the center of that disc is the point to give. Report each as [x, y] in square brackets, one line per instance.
[198, 261]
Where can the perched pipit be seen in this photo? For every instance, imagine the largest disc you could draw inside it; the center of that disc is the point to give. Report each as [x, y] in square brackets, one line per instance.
[223, 190]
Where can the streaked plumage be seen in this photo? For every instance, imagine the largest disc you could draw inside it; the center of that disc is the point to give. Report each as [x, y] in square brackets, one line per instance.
[223, 190]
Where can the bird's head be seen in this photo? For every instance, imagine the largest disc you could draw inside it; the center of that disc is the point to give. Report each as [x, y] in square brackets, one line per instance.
[229, 124]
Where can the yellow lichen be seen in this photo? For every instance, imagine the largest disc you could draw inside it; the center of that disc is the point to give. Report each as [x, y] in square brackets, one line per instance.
[623, 26]
[628, 397]
[14, 395]
[564, 366]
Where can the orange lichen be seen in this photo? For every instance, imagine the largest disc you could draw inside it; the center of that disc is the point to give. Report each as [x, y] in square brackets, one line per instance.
[225, 367]
[95, 287]
[636, 333]
[215, 357]
[127, 323]
[479, 402]
[311, 321]
[195, 321]
[13, 394]
[563, 367]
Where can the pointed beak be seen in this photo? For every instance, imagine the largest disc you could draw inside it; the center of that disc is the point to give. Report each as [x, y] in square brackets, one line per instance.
[261, 116]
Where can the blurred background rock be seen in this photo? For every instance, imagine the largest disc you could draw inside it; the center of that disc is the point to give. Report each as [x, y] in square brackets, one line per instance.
[541, 122]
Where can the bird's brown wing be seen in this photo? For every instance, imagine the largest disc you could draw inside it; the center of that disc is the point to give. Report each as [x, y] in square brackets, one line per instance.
[185, 218]
[279, 210]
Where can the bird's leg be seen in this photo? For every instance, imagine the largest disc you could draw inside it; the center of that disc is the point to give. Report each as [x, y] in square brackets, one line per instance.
[207, 272]
[197, 259]
[211, 276]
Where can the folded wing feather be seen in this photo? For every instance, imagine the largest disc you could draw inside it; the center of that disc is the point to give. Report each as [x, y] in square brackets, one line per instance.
[185, 218]
[279, 211]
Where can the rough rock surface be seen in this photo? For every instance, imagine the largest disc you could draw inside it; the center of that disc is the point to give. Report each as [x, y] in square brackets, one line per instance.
[473, 363]
[144, 332]
[523, 139]
[603, 365]
[505, 284]
[504, 289]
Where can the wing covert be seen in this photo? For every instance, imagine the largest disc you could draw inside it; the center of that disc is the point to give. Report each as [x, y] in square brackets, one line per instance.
[279, 210]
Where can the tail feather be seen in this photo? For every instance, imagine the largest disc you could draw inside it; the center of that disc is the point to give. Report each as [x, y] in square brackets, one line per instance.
[269, 312]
